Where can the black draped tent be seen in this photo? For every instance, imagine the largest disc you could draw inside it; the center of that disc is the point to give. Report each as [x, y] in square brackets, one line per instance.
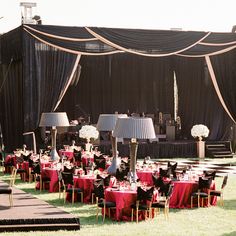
[102, 70]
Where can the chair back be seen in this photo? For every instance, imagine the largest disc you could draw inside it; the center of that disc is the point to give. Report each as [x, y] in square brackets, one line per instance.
[37, 168]
[157, 181]
[122, 173]
[169, 190]
[98, 188]
[77, 156]
[204, 183]
[100, 162]
[19, 159]
[165, 173]
[144, 195]
[225, 180]
[106, 179]
[209, 174]
[27, 157]
[67, 178]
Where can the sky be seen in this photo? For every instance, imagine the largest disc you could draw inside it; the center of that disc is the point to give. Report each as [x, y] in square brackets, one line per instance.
[196, 15]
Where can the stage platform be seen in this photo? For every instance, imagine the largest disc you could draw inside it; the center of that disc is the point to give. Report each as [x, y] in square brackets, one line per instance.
[31, 214]
[165, 149]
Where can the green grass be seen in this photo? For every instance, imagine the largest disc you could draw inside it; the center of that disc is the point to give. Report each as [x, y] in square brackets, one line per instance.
[202, 221]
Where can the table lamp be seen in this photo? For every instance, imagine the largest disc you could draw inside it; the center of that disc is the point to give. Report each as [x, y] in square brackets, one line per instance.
[134, 128]
[54, 119]
[107, 122]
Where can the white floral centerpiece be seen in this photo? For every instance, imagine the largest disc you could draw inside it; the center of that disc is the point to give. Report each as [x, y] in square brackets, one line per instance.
[199, 131]
[88, 132]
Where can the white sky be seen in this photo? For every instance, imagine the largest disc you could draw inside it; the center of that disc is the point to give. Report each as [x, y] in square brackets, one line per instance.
[203, 15]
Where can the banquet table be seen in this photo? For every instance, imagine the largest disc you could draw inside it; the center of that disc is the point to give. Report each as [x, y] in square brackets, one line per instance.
[68, 153]
[85, 183]
[145, 176]
[182, 191]
[123, 200]
[53, 175]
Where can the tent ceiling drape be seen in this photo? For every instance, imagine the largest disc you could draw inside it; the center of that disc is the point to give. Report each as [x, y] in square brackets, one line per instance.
[40, 48]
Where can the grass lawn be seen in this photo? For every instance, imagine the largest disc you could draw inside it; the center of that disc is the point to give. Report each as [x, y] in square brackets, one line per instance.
[202, 221]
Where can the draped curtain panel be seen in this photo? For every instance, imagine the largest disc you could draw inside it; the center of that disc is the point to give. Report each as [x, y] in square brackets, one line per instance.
[198, 102]
[225, 72]
[121, 82]
[46, 71]
[11, 103]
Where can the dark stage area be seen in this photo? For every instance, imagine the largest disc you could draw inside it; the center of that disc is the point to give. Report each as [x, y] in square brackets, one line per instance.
[157, 149]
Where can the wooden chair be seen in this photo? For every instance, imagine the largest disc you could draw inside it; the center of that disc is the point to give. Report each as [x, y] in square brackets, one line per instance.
[100, 200]
[143, 202]
[39, 179]
[69, 187]
[219, 193]
[9, 190]
[203, 191]
[164, 201]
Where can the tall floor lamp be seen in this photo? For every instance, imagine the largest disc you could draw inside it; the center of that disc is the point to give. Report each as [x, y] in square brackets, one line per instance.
[134, 128]
[107, 122]
[54, 119]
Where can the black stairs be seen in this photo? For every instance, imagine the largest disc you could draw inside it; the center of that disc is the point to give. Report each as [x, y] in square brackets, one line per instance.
[219, 149]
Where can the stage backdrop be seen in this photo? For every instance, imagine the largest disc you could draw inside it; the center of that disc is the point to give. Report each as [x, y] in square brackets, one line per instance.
[120, 70]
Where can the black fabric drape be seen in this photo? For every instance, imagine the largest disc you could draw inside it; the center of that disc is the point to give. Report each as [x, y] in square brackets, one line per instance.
[116, 82]
[46, 71]
[198, 102]
[119, 83]
[11, 103]
[225, 72]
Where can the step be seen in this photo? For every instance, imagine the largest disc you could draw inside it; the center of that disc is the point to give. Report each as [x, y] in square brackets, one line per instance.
[228, 155]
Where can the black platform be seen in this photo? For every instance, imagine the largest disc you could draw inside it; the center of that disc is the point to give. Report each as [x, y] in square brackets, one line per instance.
[164, 149]
[31, 214]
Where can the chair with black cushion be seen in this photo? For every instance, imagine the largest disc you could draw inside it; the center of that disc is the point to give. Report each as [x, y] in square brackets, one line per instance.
[39, 178]
[106, 180]
[78, 158]
[208, 174]
[9, 189]
[98, 186]
[219, 193]
[31, 169]
[19, 165]
[165, 172]
[69, 187]
[172, 168]
[203, 192]
[100, 162]
[69, 169]
[143, 202]
[160, 185]
[26, 157]
[164, 201]
[122, 172]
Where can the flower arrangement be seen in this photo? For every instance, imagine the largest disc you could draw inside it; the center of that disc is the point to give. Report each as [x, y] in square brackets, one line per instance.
[88, 132]
[199, 131]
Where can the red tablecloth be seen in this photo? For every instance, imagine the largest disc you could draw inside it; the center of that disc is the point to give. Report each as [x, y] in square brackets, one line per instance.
[181, 196]
[145, 176]
[123, 200]
[67, 153]
[86, 184]
[53, 175]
